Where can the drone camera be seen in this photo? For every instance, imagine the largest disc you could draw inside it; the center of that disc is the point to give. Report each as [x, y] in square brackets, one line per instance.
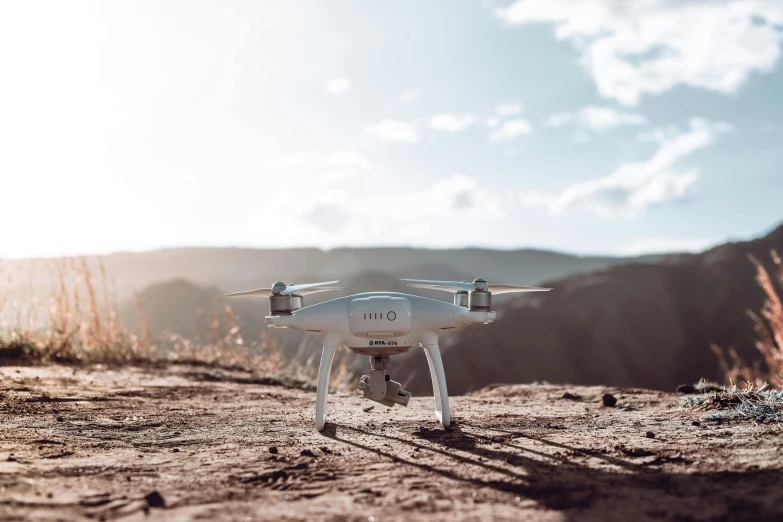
[379, 387]
[394, 394]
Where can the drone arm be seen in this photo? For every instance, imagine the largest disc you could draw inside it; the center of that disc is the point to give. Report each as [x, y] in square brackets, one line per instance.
[435, 362]
[327, 355]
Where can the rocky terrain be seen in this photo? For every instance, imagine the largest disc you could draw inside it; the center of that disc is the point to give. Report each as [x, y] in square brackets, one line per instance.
[193, 443]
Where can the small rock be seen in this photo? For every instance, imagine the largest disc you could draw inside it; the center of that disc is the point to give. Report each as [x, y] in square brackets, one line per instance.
[696, 423]
[273, 450]
[60, 419]
[324, 449]
[177, 434]
[650, 435]
[368, 408]
[686, 388]
[572, 396]
[307, 453]
[609, 400]
[175, 450]
[155, 500]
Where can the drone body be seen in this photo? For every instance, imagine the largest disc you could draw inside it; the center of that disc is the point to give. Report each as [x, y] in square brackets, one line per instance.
[380, 325]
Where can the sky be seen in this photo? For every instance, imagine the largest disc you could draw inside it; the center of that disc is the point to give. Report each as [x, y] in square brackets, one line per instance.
[586, 126]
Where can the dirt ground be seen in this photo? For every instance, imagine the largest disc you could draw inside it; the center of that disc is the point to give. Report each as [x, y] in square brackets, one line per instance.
[189, 443]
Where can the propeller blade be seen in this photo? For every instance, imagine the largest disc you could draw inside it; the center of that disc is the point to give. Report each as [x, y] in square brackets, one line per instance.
[448, 286]
[508, 289]
[260, 291]
[303, 289]
[310, 288]
[455, 286]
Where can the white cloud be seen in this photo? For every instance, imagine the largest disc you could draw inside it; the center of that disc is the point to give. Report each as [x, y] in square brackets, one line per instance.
[394, 131]
[453, 196]
[451, 122]
[510, 129]
[318, 168]
[410, 96]
[493, 121]
[647, 47]
[338, 85]
[333, 216]
[560, 119]
[508, 109]
[602, 119]
[634, 187]
[599, 119]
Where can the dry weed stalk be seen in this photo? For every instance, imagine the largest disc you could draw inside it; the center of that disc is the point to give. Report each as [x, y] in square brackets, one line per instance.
[768, 324]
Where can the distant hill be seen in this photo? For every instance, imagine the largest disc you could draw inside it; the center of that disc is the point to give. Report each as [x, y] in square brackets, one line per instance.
[648, 325]
[240, 268]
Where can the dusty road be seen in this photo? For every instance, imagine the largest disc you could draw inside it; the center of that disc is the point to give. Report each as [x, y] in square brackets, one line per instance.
[204, 444]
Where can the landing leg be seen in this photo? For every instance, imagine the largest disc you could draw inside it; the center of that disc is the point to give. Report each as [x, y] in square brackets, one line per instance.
[323, 384]
[432, 351]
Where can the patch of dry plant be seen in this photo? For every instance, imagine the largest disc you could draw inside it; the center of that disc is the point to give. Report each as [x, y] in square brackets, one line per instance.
[79, 324]
[768, 324]
[758, 403]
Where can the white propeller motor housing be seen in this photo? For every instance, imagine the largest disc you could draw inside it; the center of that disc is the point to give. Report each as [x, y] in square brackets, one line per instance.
[285, 299]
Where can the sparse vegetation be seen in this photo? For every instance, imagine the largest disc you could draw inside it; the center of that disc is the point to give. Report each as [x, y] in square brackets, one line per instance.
[758, 403]
[768, 324]
[757, 399]
[79, 324]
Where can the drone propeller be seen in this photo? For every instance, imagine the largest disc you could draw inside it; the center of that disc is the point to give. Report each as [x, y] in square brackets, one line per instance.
[477, 296]
[281, 288]
[479, 284]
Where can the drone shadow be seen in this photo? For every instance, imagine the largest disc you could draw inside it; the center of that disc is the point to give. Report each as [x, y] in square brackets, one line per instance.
[616, 489]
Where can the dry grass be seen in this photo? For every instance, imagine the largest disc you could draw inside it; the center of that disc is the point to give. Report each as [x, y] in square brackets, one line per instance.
[758, 399]
[758, 403]
[79, 324]
[768, 324]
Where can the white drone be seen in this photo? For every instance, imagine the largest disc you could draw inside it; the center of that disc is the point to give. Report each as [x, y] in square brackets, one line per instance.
[382, 324]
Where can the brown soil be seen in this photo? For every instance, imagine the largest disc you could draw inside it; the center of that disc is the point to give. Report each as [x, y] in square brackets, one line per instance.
[199, 444]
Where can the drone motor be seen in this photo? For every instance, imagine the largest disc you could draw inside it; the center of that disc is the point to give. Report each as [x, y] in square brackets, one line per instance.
[285, 299]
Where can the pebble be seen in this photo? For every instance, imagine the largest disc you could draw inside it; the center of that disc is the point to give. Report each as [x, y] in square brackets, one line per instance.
[609, 400]
[155, 500]
[650, 435]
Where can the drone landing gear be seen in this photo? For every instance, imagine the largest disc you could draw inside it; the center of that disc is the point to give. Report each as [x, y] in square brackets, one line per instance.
[379, 387]
[432, 351]
[323, 384]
